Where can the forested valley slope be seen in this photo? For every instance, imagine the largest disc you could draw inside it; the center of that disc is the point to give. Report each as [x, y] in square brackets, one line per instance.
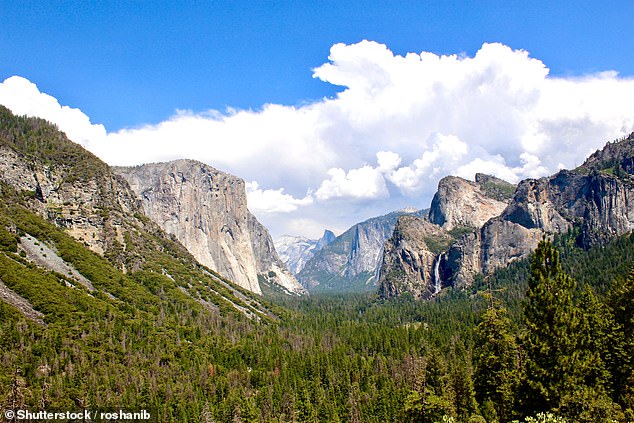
[102, 310]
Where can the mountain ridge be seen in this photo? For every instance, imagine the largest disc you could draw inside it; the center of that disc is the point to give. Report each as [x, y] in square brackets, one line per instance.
[597, 199]
[295, 251]
[350, 262]
[52, 186]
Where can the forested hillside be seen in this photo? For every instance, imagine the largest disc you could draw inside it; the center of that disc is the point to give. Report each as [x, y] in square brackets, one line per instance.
[350, 358]
[143, 326]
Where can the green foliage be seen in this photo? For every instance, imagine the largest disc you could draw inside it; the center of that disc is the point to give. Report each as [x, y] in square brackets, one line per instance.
[476, 419]
[498, 189]
[459, 231]
[437, 244]
[594, 331]
[545, 418]
[551, 330]
[335, 283]
[8, 241]
[427, 407]
[589, 405]
[40, 140]
[620, 300]
[497, 374]
[330, 358]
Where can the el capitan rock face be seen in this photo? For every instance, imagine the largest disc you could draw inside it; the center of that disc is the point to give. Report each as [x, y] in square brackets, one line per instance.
[597, 198]
[206, 210]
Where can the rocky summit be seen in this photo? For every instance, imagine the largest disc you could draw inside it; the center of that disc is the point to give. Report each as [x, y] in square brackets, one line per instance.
[462, 203]
[206, 210]
[415, 259]
[477, 227]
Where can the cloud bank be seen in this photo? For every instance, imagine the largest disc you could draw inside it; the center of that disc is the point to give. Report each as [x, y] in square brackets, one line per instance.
[398, 125]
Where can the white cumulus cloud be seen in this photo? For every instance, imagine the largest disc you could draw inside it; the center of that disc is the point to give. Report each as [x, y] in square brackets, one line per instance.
[273, 200]
[363, 183]
[445, 152]
[398, 125]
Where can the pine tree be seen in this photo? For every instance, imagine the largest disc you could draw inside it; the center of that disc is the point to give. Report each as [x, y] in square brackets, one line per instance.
[589, 402]
[461, 379]
[435, 397]
[595, 323]
[496, 362]
[16, 399]
[621, 359]
[551, 336]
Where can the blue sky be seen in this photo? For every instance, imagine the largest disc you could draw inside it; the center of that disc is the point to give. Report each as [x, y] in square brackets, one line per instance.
[125, 63]
[331, 111]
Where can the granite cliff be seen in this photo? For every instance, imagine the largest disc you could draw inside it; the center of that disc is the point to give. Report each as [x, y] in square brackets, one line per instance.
[411, 259]
[415, 259]
[595, 199]
[352, 260]
[488, 228]
[206, 210]
[268, 264]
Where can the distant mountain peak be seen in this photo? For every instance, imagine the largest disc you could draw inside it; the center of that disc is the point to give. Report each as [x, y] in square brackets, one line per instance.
[326, 239]
[295, 251]
[350, 262]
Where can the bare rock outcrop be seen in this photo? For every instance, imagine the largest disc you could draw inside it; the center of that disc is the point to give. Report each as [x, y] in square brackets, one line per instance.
[23, 305]
[206, 210]
[268, 263]
[596, 200]
[462, 203]
[411, 261]
[85, 198]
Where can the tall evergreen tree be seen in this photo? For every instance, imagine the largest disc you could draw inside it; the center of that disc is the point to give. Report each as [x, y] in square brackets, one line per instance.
[434, 398]
[621, 359]
[595, 324]
[551, 331]
[588, 401]
[496, 362]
